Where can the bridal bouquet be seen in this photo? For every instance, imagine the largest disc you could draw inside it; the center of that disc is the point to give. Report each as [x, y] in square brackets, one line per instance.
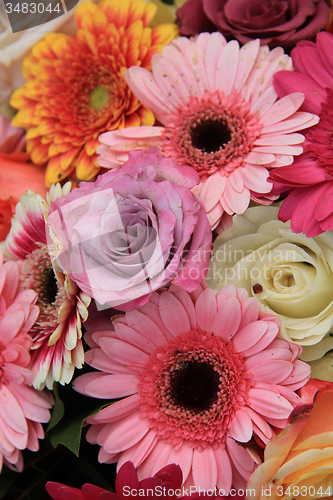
[166, 254]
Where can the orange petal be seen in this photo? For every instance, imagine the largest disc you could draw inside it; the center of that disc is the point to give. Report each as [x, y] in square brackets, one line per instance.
[17, 176]
[91, 146]
[39, 154]
[54, 173]
[86, 167]
[132, 121]
[68, 159]
[83, 14]
[146, 116]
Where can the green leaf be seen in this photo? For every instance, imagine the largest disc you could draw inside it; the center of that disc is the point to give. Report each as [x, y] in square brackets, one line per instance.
[72, 410]
[58, 410]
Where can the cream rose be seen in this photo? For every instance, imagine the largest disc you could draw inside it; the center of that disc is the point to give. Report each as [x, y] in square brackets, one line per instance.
[299, 461]
[287, 273]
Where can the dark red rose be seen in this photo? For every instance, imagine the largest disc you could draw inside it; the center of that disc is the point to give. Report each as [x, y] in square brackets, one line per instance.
[276, 22]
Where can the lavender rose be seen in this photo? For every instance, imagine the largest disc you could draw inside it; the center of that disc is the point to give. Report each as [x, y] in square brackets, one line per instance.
[275, 22]
[132, 231]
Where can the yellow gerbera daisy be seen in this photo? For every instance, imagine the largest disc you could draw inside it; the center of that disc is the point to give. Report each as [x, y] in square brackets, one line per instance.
[75, 87]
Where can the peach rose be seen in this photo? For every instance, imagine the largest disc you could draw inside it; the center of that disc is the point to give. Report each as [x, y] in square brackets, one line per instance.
[299, 461]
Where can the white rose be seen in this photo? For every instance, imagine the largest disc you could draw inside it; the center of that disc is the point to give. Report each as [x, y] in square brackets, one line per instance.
[15, 46]
[287, 273]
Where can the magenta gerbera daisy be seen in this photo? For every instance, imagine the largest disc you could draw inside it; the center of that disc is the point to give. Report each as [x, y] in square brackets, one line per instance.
[200, 374]
[221, 116]
[310, 179]
[22, 408]
[57, 346]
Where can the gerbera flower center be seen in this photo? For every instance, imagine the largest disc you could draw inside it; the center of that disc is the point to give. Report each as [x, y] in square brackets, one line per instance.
[37, 274]
[212, 132]
[49, 286]
[98, 98]
[193, 391]
[194, 385]
[210, 135]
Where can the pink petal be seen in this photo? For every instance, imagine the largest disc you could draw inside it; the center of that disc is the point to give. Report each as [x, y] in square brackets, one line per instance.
[279, 150]
[204, 468]
[174, 56]
[241, 427]
[283, 108]
[298, 121]
[11, 411]
[279, 140]
[234, 201]
[266, 339]
[272, 371]
[133, 337]
[212, 190]
[169, 80]
[271, 353]
[118, 410]
[17, 439]
[183, 457]
[173, 314]
[126, 433]
[324, 205]
[227, 66]
[107, 386]
[249, 335]
[215, 46]
[239, 455]
[315, 67]
[289, 81]
[265, 102]
[227, 320]
[250, 311]
[260, 158]
[255, 178]
[206, 310]
[236, 181]
[260, 423]
[143, 85]
[247, 57]
[10, 325]
[144, 325]
[99, 360]
[224, 471]
[195, 56]
[123, 351]
[138, 452]
[269, 404]
[187, 303]
[299, 375]
[157, 459]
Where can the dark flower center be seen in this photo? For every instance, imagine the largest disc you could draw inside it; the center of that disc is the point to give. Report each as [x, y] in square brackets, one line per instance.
[194, 385]
[210, 135]
[49, 286]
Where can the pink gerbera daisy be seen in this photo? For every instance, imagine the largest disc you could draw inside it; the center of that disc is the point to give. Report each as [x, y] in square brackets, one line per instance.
[222, 116]
[22, 408]
[57, 346]
[201, 374]
[310, 178]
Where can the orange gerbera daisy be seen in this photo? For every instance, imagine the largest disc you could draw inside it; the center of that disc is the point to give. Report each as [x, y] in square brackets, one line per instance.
[75, 87]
